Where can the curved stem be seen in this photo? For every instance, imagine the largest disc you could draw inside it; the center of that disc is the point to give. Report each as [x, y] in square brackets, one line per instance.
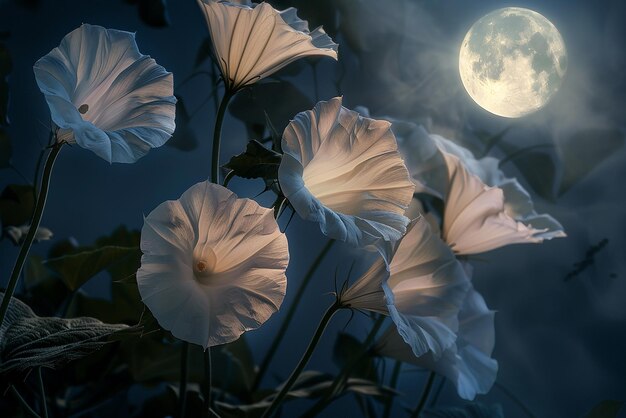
[429, 385]
[303, 361]
[32, 231]
[42, 391]
[184, 372]
[344, 374]
[207, 383]
[217, 133]
[269, 355]
[392, 384]
[22, 402]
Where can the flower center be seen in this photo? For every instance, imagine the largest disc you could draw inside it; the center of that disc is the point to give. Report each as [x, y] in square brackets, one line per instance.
[84, 108]
[204, 264]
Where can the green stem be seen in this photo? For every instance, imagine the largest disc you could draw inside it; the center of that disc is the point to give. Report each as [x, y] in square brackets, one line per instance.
[392, 384]
[42, 390]
[217, 133]
[344, 374]
[303, 361]
[269, 355]
[22, 402]
[184, 372]
[429, 385]
[32, 231]
[207, 383]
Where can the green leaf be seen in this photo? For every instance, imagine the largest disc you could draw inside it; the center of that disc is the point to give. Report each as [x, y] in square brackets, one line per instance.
[6, 150]
[76, 269]
[343, 352]
[605, 409]
[585, 150]
[17, 203]
[29, 341]
[256, 162]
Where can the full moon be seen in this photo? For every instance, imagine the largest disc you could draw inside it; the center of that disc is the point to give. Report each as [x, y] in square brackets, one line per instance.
[512, 61]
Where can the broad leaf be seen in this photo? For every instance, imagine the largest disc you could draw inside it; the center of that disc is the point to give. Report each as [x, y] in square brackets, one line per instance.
[17, 203]
[154, 13]
[76, 269]
[29, 341]
[345, 348]
[256, 162]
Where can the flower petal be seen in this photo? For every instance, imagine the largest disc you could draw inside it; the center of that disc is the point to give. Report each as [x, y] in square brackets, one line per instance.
[251, 43]
[236, 240]
[114, 100]
[344, 172]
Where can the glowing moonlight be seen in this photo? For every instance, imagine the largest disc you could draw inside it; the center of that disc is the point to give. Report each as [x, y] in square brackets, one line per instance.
[512, 61]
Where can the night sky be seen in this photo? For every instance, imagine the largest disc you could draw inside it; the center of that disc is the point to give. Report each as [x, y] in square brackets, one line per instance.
[560, 343]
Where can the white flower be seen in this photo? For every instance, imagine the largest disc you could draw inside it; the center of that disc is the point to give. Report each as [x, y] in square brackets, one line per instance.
[484, 209]
[251, 42]
[468, 363]
[105, 95]
[17, 234]
[213, 265]
[424, 287]
[344, 172]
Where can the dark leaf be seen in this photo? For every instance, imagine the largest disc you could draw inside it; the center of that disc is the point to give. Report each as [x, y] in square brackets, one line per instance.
[6, 150]
[473, 410]
[256, 162]
[184, 137]
[281, 101]
[17, 203]
[605, 409]
[29, 341]
[76, 269]
[539, 170]
[154, 13]
[585, 150]
[44, 290]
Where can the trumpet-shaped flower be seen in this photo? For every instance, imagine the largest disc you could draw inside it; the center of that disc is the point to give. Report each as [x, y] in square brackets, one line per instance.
[213, 265]
[344, 172]
[484, 209]
[251, 42]
[468, 363]
[424, 287]
[106, 96]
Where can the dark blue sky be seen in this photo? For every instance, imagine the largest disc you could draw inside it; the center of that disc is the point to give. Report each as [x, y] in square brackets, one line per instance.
[560, 344]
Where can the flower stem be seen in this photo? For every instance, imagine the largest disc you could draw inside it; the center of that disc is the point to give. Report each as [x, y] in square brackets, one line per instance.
[42, 390]
[269, 355]
[344, 374]
[32, 231]
[217, 133]
[303, 361]
[184, 372]
[429, 385]
[207, 383]
[22, 402]
[392, 384]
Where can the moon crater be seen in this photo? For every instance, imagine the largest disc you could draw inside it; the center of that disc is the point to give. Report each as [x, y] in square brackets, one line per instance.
[512, 61]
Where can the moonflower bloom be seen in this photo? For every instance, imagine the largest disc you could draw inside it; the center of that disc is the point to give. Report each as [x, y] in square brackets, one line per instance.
[213, 265]
[484, 210]
[422, 291]
[251, 42]
[105, 95]
[467, 363]
[344, 171]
